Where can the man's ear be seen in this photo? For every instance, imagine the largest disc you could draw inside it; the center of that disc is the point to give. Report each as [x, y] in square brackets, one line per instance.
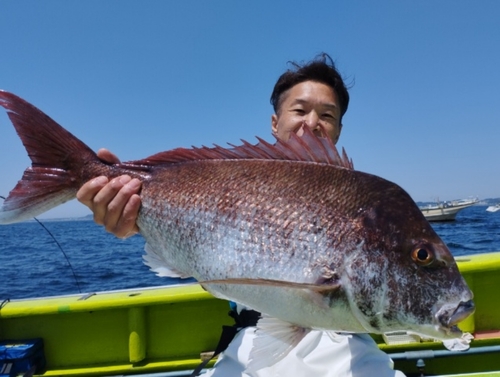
[274, 124]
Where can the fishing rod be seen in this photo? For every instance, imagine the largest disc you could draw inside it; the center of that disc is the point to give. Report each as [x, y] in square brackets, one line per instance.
[60, 248]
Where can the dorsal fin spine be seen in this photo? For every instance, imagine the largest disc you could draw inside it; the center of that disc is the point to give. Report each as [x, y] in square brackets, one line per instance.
[305, 148]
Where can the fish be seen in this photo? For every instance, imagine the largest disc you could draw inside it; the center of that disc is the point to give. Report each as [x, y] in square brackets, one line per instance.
[289, 229]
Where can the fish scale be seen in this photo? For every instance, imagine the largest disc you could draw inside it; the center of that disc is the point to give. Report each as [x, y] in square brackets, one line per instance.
[230, 215]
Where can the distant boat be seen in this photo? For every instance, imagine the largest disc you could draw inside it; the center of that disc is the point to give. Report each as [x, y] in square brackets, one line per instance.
[493, 208]
[446, 211]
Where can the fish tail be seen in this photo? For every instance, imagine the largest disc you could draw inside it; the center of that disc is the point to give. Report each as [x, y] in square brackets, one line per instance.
[57, 158]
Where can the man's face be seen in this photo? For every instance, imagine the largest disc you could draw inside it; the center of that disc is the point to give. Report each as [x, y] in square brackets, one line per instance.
[311, 104]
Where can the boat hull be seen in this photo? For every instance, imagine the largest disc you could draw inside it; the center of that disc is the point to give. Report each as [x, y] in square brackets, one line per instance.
[446, 211]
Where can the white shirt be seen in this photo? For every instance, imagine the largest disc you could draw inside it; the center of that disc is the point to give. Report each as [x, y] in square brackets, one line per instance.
[318, 355]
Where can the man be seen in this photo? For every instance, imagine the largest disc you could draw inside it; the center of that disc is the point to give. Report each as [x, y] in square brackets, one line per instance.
[311, 95]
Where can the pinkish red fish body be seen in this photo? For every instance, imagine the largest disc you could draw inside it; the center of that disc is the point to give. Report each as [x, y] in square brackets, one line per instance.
[290, 229]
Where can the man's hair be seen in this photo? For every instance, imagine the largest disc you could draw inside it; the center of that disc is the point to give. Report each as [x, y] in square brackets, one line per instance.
[321, 69]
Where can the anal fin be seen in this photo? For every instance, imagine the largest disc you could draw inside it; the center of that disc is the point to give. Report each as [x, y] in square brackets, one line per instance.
[159, 266]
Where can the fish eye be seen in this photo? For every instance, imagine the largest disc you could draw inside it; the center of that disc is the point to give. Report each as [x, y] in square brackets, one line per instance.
[422, 255]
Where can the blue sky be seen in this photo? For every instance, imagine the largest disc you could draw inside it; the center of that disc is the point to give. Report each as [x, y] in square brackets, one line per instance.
[139, 77]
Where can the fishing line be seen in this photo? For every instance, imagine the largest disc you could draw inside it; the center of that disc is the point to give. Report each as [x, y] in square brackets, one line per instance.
[60, 248]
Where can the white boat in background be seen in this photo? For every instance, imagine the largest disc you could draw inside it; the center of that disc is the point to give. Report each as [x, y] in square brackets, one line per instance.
[493, 208]
[446, 211]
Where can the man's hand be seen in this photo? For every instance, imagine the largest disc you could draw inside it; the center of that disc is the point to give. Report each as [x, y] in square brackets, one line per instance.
[115, 203]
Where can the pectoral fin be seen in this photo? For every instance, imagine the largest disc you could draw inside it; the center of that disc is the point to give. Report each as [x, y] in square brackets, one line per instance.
[319, 288]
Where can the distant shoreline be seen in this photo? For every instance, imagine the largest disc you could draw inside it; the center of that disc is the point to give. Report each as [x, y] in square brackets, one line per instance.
[90, 217]
[81, 218]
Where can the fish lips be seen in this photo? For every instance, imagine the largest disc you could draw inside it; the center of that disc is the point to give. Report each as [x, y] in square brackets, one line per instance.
[449, 315]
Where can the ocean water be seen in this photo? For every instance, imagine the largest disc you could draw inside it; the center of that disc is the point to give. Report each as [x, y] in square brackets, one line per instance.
[33, 265]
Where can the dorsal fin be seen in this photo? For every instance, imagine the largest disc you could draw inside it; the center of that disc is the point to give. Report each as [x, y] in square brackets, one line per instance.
[308, 148]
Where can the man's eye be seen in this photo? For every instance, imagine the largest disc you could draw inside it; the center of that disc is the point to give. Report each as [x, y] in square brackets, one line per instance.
[298, 111]
[328, 117]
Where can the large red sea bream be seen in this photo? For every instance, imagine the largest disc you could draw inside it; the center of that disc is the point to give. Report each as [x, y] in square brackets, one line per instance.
[290, 230]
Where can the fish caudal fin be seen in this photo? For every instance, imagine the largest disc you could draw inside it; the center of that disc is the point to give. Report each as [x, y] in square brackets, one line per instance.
[56, 156]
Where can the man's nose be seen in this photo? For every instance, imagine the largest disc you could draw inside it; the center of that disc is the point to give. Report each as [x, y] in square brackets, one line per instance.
[312, 120]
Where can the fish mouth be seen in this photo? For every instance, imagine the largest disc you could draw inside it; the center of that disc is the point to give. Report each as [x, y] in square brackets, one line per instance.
[461, 312]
